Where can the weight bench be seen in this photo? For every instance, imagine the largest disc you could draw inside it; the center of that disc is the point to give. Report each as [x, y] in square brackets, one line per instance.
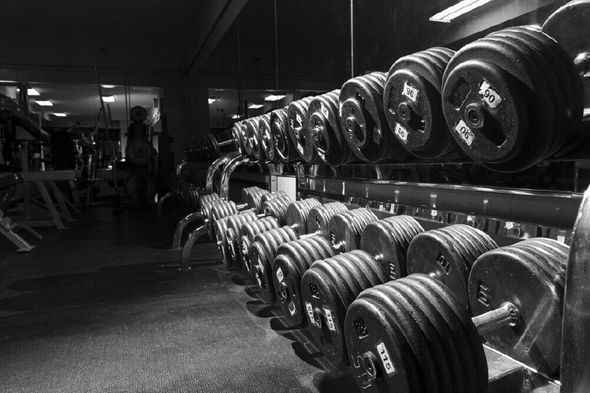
[8, 182]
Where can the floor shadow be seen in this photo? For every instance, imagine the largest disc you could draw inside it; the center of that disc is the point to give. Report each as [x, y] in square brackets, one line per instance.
[279, 324]
[307, 352]
[336, 381]
[263, 310]
[108, 285]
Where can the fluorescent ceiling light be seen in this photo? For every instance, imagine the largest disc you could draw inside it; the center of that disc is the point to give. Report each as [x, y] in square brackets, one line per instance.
[108, 86]
[212, 100]
[33, 92]
[57, 114]
[44, 103]
[109, 99]
[255, 106]
[235, 117]
[273, 97]
[457, 10]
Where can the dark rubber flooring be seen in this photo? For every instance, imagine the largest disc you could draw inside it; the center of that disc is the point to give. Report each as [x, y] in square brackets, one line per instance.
[102, 307]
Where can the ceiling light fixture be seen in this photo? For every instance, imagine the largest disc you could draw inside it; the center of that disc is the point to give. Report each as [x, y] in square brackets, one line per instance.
[109, 98]
[235, 117]
[33, 92]
[108, 86]
[44, 103]
[274, 97]
[212, 100]
[461, 8]
[59, 114]
[255, 106]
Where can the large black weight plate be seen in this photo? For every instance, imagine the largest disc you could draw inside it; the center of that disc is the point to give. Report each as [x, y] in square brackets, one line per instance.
[521, 276]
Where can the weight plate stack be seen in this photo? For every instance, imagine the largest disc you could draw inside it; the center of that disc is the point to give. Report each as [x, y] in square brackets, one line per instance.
[272, 195]
[318, 219]
[388, 241]
[299, 130]
[253, 138]
[411, 335]
[363, 120]
[292, 260]
[262, 253]
[234, 224]
[347, 227]
[328, 288]
[266, 139]
[220, 228]
[254, 198]
[238, 136]
[413, 106]
[279, 126]
[246, 191]
[328, 138]
[219, 209]
[510, 100]
[530, 275]
[448, 254]
[248, 232]
[297, 213]
[277, 207]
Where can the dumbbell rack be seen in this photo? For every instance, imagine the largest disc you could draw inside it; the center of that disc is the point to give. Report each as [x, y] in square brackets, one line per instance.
[506, 214]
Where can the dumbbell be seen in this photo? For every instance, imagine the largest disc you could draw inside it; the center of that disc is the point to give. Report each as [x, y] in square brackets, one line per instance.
[262, 257]
[300, 131]
[279, 127]
[222, 211]
[328, 287]
[318, 220]
[513, 98]
[412, 103]
[266, 138]
[412, 334]
[291, 215]
[342, 230]
[326, 132]
[363, 120]
[397, 245]
[281, 208]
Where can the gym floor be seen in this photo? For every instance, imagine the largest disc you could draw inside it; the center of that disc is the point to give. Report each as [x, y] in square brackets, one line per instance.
[102, 307]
